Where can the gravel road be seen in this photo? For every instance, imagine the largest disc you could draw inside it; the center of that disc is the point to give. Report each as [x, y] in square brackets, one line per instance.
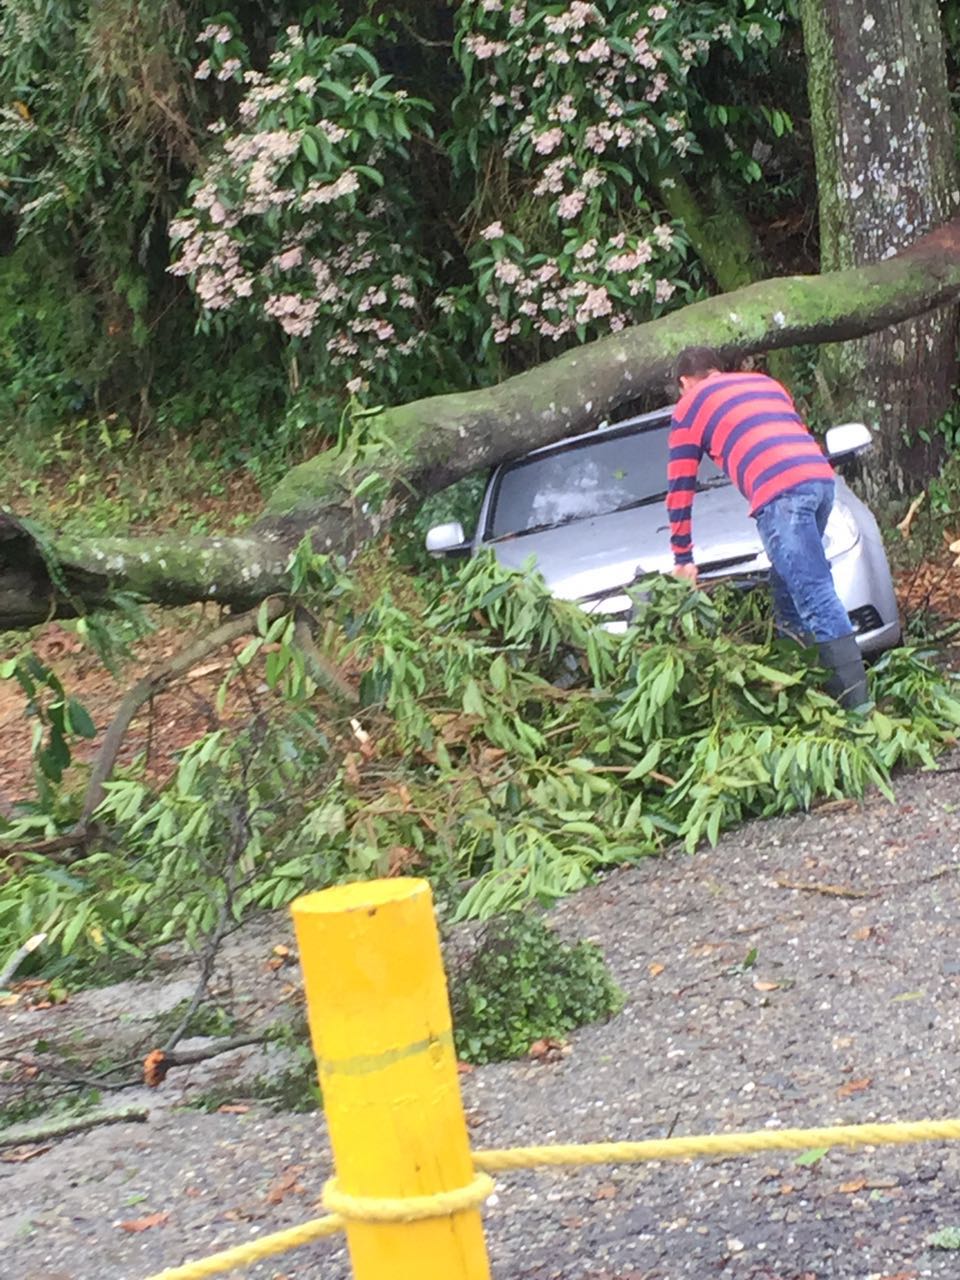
[847, 1013]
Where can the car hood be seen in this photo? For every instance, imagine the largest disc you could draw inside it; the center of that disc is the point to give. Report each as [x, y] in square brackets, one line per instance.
[592, 556]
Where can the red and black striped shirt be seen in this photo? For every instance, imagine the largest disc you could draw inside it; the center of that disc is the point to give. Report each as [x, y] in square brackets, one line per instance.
[749, 425]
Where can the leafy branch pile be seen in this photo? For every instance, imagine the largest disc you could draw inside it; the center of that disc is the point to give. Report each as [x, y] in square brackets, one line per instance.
[502, 744]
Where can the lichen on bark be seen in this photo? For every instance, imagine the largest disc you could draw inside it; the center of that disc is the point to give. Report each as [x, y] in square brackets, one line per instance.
[886, 170]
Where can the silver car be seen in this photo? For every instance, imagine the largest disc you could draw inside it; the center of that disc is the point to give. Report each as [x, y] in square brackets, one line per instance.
[591, 509]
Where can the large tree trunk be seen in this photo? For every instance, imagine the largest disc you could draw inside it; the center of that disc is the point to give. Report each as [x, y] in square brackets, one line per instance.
[342, 499]
[887, 173]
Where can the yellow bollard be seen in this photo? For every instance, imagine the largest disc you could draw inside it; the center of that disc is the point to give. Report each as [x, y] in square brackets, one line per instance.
[380, 1025]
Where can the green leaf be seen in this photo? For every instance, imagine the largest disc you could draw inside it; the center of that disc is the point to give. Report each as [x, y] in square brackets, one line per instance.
[498, 674]
[945, 1238]
[472, 701]
[79, 719]
[812, 1157]
[374, 175]
[308, 145]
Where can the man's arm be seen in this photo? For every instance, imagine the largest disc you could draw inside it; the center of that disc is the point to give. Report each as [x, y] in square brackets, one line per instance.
[682, 466]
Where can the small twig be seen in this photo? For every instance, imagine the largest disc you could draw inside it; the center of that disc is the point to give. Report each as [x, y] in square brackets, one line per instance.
[76, 1124]
[52, 844]
[187, 1057]
[903, 528]
[829, 890]
[18, 957]
[321, 668]
[206, 970]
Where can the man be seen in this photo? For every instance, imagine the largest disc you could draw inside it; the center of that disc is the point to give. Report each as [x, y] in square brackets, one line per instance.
[749, 425]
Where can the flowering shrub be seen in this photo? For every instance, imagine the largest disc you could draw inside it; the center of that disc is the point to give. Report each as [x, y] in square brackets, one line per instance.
[583, 109]
[302, 215]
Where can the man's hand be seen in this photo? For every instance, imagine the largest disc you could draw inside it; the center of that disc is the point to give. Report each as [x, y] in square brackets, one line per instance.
[688, 572]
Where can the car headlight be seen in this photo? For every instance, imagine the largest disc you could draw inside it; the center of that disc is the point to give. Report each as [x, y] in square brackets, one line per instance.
[841, 534]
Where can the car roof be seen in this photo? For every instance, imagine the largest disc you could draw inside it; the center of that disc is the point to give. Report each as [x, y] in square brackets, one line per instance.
[642, 421]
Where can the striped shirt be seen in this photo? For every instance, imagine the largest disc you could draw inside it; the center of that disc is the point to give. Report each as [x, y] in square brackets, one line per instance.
[749, 426]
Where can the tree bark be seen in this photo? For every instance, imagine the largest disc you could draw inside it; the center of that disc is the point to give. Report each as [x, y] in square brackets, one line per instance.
[887, 173]
[343, 498]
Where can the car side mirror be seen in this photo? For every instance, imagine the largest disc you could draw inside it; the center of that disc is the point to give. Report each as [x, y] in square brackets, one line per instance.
[448, 540]
[848, 440]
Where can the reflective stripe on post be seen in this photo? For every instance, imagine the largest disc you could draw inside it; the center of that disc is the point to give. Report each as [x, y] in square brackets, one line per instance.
[381, 1030]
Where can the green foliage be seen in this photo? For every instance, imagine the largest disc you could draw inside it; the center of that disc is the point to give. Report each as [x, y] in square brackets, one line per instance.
[523, 983]
[578, 117]
[945, 1238]
[339, 170]
[507, 746]
[57, 719]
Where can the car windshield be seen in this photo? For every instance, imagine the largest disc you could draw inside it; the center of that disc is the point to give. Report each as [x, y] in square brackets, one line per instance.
[593, 478]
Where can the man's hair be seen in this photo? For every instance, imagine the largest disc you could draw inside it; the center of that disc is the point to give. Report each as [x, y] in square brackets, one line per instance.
[694, 362]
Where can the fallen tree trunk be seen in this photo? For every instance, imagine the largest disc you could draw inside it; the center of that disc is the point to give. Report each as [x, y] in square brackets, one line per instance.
[342, 499]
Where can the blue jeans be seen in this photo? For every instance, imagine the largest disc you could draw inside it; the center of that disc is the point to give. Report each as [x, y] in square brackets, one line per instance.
[791, 526]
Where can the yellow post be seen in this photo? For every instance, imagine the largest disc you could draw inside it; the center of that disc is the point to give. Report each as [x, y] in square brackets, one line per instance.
[380, 1025]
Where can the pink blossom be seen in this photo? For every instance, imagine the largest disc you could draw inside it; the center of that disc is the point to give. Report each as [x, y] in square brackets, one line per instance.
[203, 70]
[507, 272]
[569, 206]
[658, 13]
[492, 232]
[548, 141]
[664, 290]
[657, 86]
[290, 258]
[482, 48]
[598, 51]
[664, 235]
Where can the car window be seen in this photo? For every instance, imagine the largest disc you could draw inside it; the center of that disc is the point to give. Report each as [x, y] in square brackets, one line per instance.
[584, 480]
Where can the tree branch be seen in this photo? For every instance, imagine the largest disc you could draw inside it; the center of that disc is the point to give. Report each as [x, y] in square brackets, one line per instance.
[76, 1124]
[424, 446]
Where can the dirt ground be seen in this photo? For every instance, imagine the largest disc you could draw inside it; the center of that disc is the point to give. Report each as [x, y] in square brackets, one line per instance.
[806, 971]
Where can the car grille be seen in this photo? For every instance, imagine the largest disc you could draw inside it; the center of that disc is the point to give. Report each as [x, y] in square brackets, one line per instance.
[866, 618]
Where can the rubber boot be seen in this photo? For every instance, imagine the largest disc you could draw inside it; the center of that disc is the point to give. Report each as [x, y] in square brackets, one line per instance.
[846, 677]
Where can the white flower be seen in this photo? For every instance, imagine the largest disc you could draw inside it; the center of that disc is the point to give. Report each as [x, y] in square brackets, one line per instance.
[492, 232]
[546, 142]
[569, 206]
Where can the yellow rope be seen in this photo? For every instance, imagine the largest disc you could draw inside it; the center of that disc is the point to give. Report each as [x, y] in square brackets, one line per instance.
[444, 1203]
[245, 1254]
[344, 1208]
[410, 1208]
[717, 1144]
